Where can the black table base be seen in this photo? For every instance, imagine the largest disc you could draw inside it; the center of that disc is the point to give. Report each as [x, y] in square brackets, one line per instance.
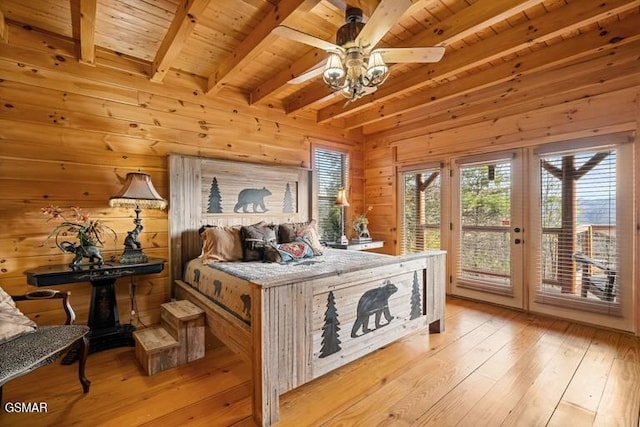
[104, 320]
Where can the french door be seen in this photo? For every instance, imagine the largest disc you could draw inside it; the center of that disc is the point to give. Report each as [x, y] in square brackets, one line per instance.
[487, 228]
[549, 229]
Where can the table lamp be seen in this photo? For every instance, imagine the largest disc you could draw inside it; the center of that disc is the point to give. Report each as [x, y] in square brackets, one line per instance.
[342, 201]
[137, 191]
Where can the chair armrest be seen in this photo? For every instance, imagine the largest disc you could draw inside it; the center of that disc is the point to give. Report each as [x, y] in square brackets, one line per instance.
[582, 258]
[50, 294]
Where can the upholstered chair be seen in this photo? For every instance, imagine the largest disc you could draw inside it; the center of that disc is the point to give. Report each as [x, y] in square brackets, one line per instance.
[24, 346]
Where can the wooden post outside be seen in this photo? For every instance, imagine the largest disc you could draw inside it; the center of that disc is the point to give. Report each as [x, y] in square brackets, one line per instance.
[419, 214]
[566, 239]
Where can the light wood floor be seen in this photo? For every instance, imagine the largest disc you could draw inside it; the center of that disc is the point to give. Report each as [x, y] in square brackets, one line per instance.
[491, 367]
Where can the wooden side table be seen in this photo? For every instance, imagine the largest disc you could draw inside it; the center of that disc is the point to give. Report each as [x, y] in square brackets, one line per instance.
[358, 246]
[104, 320]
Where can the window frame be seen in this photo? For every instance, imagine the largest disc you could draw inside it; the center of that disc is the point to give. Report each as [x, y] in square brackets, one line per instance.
[620, 317]
[317, 197]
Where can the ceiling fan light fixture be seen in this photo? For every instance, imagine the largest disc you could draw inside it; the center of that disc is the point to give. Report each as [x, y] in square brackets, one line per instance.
[333, 71]
[347, 34]
[355, 67]
[377, 71]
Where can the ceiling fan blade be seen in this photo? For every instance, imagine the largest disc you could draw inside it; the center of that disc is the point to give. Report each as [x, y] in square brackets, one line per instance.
[299, 36]
[411, 54]
[307, 75]
[386, 14]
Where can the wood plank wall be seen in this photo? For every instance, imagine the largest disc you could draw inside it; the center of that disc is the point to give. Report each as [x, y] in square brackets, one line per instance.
[70, 132]
[519, 113]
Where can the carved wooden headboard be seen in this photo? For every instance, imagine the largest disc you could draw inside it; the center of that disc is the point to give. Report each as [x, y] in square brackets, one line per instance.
[219, 192]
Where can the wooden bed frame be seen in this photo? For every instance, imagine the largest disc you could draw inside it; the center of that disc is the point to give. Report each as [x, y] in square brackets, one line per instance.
[286, 343]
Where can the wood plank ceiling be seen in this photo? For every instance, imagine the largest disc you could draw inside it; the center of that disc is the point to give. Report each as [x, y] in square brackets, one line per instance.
[500, 54]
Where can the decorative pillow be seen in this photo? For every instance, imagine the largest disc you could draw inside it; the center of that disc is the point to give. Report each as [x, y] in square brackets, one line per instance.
[255, 238]
[221, 244]
[12, 322]
[287, 252]
[289, 232]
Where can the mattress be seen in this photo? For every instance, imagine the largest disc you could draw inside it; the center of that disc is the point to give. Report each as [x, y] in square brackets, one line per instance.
[228, 283]
[229, 292]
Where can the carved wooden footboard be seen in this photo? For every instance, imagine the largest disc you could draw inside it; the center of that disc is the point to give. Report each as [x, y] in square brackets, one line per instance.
[293, 337]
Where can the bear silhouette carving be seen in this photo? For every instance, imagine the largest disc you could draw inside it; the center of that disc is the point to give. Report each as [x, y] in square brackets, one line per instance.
[246, 304]
[252, 196]
[373, 302]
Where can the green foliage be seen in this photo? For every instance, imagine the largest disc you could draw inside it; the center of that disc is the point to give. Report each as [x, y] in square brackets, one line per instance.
[485, 201]
[416, 239]
[333, 231]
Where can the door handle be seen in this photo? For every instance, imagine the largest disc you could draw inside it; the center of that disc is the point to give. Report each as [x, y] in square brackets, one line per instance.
[517, 241]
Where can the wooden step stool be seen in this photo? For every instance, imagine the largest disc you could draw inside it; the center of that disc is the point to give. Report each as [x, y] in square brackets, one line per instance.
[177, 340]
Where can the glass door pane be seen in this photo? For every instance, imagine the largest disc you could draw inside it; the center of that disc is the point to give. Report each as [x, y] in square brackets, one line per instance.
[489, 229]
[581, 253]
[421, 210]
[485, 217]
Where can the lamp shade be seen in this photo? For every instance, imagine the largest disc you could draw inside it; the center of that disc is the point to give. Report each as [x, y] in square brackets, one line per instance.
[377, 70]
[334, 70]
[341, 200]
[138, 190]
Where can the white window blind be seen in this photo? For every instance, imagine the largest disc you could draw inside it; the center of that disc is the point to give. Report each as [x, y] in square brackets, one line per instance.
[331, 170]
[421, 210]
[579, 251]
[485, 221]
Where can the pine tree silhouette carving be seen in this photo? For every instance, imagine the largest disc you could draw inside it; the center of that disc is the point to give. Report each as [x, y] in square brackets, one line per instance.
[416, 300]
[215, 205]
[288, 200]
[330, 339]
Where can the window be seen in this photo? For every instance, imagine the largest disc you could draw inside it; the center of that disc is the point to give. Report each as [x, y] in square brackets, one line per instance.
[579, 251]
[421, 210]
[581, 230]
[331, 171]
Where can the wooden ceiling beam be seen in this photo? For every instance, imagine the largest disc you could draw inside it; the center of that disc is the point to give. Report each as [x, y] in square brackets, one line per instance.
[4, 29]
[180, 30]
[310, 60]
[403, 111]
[252, 45]
[553, 24]
[88, 31]
[603, 72]
[476, 17]
[367, 6]
[315, 93]
[83, 21]
[469, 21]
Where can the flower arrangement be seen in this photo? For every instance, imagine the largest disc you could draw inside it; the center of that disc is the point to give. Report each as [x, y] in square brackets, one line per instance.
[360, 223]
[89, 232]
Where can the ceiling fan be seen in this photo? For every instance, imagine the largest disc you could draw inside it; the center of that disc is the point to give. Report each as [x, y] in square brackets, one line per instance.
[354, 66]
